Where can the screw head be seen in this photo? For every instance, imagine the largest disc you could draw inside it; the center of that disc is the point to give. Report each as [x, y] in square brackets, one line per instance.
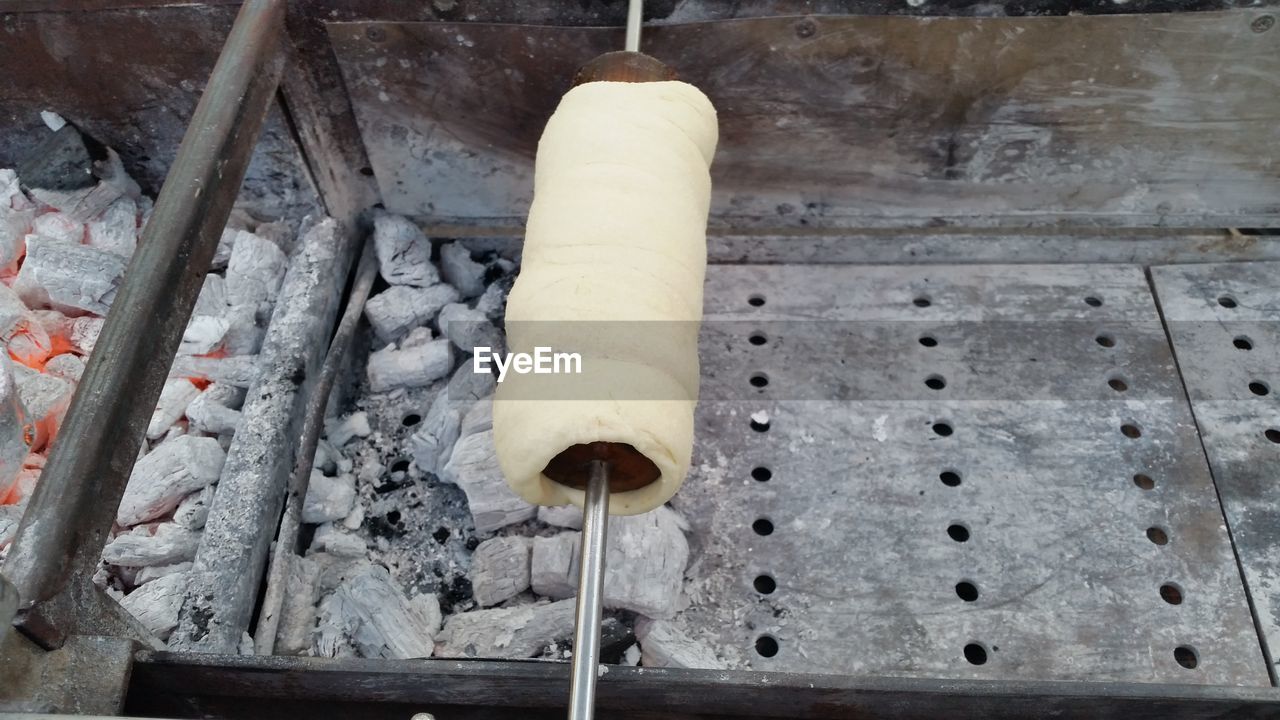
[1263, 23]
[806, 29]
[376, 34]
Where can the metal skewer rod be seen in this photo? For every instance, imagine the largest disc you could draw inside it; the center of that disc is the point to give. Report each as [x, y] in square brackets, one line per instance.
[586, 636]
[633, 25]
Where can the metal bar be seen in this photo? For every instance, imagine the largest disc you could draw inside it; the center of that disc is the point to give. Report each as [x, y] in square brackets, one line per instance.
[634, 11]
[72, 509]
[163, 681]
[313, 424]
[586, 636]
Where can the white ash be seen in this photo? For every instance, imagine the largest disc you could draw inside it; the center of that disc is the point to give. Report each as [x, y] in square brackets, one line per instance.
[468, 328]
[52, 120]
[664, 644]
[517, 632]
[16, 216]
[298, 607]
[212, 299]
[238, 370]
[204, 334]
[68, 277]
[246, 329]
[338, 543]
[564, 516]
[57, 226]
[279, 234]
[155, 572]
[328, 498]
[370, 615]
[66, 366]
[433, 442]
[156, 604]
[493, 302]
[42, 394]
[226, 243]
[341, 432]
[400, 308]
[500, 569]
[404, 253]
[479, 418]
[473, 466]
[631, 656]
[215, 410]
[165, 544]
[644, 568]
[255, 271]
[408, 367]
[176, 394]
[116, 231]
[167, 475]
[22, 330]
[10, 517]
[85, 332]
[460, 270]
[193, 511]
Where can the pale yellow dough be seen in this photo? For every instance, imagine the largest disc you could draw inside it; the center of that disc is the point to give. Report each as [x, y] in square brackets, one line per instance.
[614, 258]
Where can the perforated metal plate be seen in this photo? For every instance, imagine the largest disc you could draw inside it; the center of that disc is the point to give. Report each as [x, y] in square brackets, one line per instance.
[1224, 320]
[859, 566]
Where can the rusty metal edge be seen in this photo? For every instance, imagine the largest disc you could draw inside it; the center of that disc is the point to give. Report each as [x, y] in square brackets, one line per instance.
[74, 505]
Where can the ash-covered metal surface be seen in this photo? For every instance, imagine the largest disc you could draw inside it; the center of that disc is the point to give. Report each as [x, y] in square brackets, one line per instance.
[829, 121]
[1224, 321]
[985, 472]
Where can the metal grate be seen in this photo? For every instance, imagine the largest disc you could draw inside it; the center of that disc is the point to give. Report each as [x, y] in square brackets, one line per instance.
[955, 471]
[1224, 320]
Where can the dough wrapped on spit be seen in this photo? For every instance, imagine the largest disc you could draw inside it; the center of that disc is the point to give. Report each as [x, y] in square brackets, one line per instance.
[614, 259]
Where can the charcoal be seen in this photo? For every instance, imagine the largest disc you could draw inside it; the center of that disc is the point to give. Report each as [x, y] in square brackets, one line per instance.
[66, 367]
[664, 644]
[400, 308]
[468, 328]
[193, 510]
[57, 226]
[167, 475]
[644, 568]
[156, 604]
[473, 467]
[367, 613]
[142, 546]
[517, 632]
[68, 277]
[461, 271]
[409, 367]
[255, 271]
[175, 396]
[404, 253]
[328, 498]
[500, 569]
[116, 230]
[565, 516]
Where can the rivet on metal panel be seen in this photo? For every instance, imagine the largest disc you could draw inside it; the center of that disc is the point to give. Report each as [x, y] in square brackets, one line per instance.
[806, 29]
